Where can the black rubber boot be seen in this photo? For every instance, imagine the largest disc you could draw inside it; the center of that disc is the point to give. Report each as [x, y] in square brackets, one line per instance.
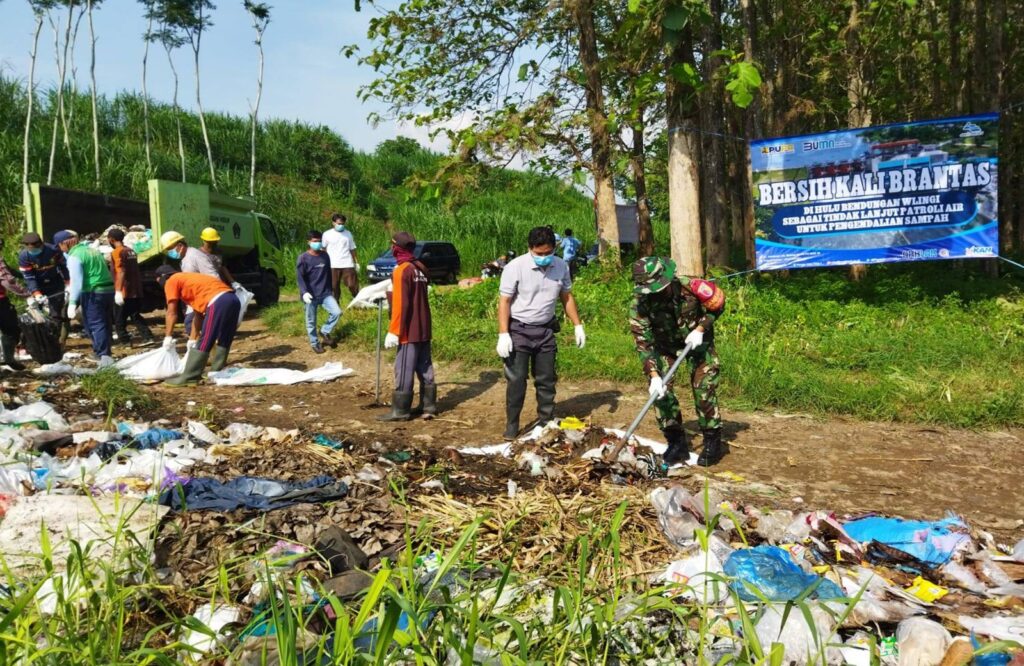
[124, 337]
[145, 334]
[401, 404]
[220, 358]
[517, 369]
[544, 379]
[428, 401]
[195, 361]
[9, 350]
[678, 450]
[714, 448]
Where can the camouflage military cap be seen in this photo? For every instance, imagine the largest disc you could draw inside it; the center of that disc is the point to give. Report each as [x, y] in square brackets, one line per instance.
[652, 274]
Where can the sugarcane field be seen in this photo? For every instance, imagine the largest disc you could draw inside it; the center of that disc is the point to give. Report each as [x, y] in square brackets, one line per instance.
[512, 332]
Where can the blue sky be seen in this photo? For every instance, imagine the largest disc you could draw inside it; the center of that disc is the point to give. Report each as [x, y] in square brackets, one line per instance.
[306, 76]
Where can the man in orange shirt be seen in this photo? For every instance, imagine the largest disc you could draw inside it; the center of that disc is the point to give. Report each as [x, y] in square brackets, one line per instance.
[216, 319]
[127, 290]
[410, 331]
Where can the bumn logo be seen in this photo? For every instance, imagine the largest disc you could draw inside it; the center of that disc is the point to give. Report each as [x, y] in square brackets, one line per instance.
[970, 129]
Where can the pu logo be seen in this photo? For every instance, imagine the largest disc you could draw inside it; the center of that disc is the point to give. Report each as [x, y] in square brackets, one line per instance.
[237, 230]
[781, 148]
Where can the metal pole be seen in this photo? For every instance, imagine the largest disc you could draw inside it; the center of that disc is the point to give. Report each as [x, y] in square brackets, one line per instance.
[380, 318]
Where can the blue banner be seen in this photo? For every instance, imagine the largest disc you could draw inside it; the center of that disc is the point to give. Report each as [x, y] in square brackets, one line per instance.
[906, 192]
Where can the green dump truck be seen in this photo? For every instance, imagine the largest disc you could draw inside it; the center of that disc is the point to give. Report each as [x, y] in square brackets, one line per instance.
[249, 243]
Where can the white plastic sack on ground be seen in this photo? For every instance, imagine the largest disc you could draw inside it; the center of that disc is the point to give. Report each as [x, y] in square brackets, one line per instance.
[277, 376]
[504, 450]
[922, 642]
[61, 368]
[12, 440]
[36, 410]
[243, 432]
[245, 298]
[802, 642]
[214, 619]
[153, 365]
[700, 577]
[202, 433]
[997, 626]
[368, 296]
[13, 479]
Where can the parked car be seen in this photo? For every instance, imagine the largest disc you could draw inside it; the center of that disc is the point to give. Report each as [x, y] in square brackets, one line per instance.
[440, 257]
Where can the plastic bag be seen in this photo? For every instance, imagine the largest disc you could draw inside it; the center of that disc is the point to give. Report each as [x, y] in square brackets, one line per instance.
[775, 575]
[36, 411]
[803, 642]
[282, 376]
[41, 336]
[932, 542]
[368, 296]
[922, 642]
[700, 574]
[153, 365]
[245, 298]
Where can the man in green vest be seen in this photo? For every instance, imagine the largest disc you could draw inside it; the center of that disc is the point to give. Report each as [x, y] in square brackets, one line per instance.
[92, 288]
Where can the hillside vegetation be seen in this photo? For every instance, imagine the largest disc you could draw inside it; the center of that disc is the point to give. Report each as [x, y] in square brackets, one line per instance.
[304, 173]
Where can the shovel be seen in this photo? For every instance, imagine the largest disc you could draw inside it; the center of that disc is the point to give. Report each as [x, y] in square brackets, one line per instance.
[380, 317]
[613, 455]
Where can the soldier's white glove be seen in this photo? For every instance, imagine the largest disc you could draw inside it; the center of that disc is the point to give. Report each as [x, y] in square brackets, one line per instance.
[168, 344]
[359, 269]
[72, 310]
[695, 339]
[118, 298]
[236, 285]
[504, 345]
[581, 337]
[657, 387]
[390, 341]
[307, 298]
[191, 344]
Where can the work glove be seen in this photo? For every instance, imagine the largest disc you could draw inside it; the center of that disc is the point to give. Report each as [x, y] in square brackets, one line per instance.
[40, 299]
[581, 337]
[504, 345]
[236, 285]
[359, 269]
[657, 387]
[72, 310]
[307, 298]
[118, 298]
[191, 344]
[390, 341]
[168, 344]
[695, 339]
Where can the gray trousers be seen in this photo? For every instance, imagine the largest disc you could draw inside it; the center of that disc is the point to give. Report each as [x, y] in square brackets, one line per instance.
[533, 351]
[413, 360]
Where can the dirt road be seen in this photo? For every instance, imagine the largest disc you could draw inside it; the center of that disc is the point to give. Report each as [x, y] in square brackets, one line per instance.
[784, 460]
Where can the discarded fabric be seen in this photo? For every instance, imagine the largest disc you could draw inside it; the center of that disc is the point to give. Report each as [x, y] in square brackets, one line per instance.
[154, 437]
[772, 572]
[931, 542]
[277, 376]
[250, 493]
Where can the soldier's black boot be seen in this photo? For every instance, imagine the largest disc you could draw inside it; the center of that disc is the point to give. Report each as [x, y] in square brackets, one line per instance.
[544, 379]
[9, 347]
[517, 368]
[401, 406]
[678, 450]
[714, 448]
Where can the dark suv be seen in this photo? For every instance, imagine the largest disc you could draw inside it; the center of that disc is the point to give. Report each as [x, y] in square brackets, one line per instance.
[440, 257]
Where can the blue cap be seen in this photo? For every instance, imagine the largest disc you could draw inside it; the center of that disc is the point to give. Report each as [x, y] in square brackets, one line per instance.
[64, 235]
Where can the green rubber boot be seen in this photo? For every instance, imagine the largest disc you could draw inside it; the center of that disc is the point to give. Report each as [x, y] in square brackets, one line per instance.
[220, 358]
[195, 361]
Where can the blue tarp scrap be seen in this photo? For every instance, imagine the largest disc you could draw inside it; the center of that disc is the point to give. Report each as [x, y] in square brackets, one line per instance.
[772, 571]
[250, 493]
[932, 542]
[154, 437]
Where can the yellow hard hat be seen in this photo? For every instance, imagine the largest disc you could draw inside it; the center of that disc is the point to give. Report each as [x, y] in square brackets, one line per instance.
[169, 239]
[210, 234]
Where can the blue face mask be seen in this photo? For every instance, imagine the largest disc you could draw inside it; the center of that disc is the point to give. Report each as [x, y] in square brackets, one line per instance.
[35, 251]
[174, 254]
[316, 245]
[544, 261]
[339, 227]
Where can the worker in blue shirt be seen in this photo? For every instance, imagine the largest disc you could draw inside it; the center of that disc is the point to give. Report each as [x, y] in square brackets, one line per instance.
[570, 246]
[313, 275]
[46, 275]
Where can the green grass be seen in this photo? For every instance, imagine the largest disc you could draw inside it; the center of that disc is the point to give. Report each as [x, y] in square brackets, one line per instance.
[115, 392]
[911, 343]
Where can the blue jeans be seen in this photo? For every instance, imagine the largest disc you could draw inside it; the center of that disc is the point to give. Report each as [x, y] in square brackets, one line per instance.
[97, 317]
[333, 315]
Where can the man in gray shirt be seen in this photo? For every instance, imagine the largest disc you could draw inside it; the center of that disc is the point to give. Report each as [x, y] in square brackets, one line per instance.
[531, 287]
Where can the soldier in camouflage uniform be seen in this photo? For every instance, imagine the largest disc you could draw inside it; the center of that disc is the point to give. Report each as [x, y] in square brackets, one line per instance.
[667, 315]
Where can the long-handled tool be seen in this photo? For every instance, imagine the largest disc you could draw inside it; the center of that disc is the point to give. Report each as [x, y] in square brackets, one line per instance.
[380, 318]
[614, 454]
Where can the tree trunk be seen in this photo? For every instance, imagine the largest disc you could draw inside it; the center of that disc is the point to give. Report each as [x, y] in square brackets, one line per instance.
[933, 55]
[255, 113]
[955, 74]
[177, 111]
[713, 154]
[600, 138]
[683, 155]
[145, 98]
[196, 41]
[73, 65]
[31, 97]
[59, 115]
[858, 115]
[752, 129]
[95, 110]
[645, 232]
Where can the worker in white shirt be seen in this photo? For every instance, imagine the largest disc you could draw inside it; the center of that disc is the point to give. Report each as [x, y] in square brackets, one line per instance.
[341, 248]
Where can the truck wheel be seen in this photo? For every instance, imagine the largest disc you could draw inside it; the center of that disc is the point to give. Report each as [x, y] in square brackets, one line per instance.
[451, 278]
[270, 290]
